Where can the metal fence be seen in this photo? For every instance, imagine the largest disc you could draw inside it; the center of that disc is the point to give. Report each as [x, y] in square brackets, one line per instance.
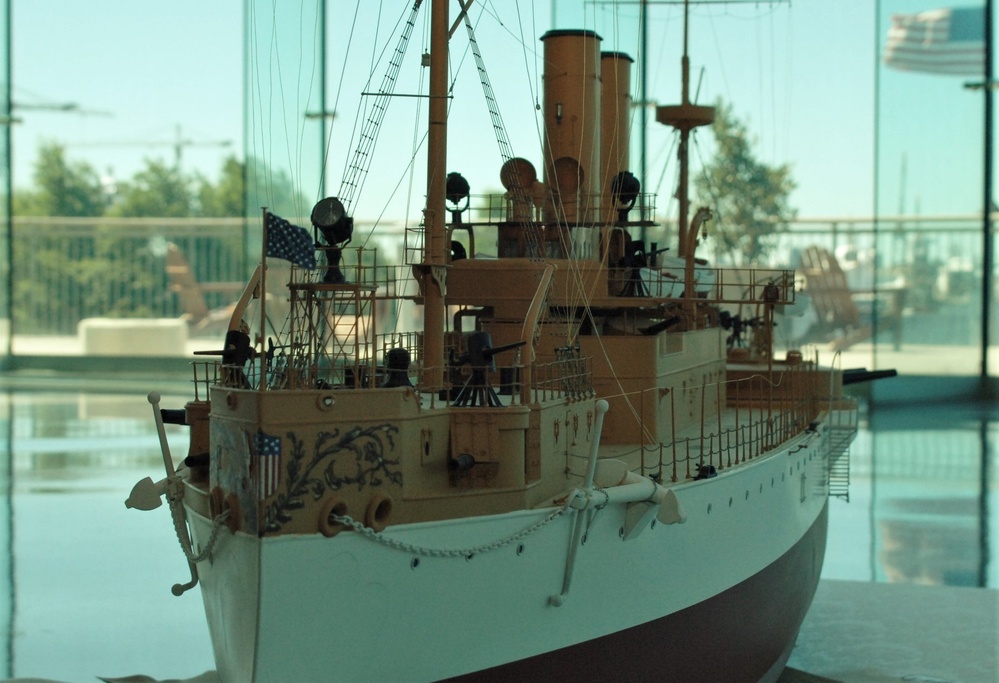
[69, 269]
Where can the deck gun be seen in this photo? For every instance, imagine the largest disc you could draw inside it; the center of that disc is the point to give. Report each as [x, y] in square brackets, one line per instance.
[858, 375]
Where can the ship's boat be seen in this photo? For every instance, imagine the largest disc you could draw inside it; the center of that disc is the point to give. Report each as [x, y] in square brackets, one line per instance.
[582, 467]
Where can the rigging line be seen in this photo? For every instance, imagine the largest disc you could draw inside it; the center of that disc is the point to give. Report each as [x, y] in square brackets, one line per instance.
[719, 58]
[269, 141]
[496, 118]
[495, 15]
[464, 54]
[532, 84]
[280, 80]
[374, 43]
[416, 132]
[716, 202]
[492, 105]
[534, 240]
[789, 85]
[773, 88]
[363, 107]
[361, 102]
[669, 155]
[537, 58]
[251, 50]
[361, 160]
[411, 167]
[339, 90]
[580, 296]
[263, 184]
[299, 121]
[275, 53]
[760, 70]
[407, 172]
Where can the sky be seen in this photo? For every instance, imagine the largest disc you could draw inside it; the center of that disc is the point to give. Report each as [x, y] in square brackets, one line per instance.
[137, 71]
[800, 74]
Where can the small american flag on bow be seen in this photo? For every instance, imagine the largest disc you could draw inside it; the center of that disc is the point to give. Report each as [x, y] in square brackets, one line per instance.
[289, 242]
[269, 463]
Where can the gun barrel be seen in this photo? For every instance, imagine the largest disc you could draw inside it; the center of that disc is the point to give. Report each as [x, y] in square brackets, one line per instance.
[858, 375]
[492, 351]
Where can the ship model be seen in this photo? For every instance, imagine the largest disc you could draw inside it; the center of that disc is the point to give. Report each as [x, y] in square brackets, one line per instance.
[582, 466]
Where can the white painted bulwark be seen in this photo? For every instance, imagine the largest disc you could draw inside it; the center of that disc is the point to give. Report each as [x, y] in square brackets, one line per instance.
[133, 336]
[367, 611]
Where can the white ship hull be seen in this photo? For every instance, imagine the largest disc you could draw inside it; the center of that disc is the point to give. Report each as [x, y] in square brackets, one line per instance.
[310, 608]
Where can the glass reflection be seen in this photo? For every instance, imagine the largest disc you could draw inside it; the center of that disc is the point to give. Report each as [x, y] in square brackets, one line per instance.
[86, 582]
[922, 481]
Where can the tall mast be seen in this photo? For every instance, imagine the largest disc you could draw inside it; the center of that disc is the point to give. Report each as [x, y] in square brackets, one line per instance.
[434, 252]
[685, 117]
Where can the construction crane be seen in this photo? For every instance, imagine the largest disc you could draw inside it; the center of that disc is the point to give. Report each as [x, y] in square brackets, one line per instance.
[179, 143]
[60, 107]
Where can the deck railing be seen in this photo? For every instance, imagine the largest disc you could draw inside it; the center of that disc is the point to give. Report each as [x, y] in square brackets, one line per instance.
[696, 456]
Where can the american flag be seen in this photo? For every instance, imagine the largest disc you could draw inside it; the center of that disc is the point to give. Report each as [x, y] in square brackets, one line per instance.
[289, 242]
[269, 463]
[940, 41]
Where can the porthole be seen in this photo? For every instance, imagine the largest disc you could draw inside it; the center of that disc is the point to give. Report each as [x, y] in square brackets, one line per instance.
[520, 549]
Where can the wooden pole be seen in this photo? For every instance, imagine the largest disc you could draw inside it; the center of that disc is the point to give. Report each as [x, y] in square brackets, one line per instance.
[434, 256]
[263, 298]
[987, 258]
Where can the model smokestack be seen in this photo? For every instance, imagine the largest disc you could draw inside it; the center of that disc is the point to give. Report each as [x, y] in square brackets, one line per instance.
[615, 116]
[572, 122]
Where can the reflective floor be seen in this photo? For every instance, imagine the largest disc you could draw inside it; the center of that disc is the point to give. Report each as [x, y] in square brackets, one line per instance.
[922, 503]
[86, 582]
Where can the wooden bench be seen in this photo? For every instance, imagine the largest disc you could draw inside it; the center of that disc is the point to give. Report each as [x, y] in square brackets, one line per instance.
[192, 293]
[840, 320]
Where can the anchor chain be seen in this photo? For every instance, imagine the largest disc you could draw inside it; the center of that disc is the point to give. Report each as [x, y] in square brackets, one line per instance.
[370, 533]
[179, 526]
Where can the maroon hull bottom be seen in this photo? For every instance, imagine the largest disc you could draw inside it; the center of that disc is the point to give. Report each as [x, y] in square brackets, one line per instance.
[742, 634]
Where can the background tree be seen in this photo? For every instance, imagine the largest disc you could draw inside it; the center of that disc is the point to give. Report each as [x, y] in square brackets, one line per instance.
[751, 200]
[275, 190]
[157, 190]
[65, 272]
[225, 198]
[61, 188]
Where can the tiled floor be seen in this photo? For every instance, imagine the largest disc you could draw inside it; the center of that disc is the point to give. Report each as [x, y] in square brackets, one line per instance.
[863, 632]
